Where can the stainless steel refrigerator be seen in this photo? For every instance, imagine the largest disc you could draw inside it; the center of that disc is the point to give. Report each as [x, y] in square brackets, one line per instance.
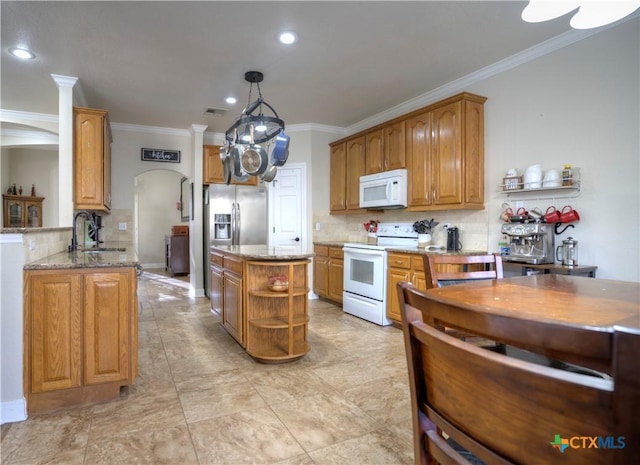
[233, 215]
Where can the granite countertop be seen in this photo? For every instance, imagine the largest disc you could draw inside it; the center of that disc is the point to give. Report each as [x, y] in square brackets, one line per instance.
[441, 251]
[264, 252]
[333, 243]
[32, 230]
[400, 249]
[117, 254]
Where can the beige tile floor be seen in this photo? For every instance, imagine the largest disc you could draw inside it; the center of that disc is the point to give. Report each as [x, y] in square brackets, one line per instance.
[199, 399]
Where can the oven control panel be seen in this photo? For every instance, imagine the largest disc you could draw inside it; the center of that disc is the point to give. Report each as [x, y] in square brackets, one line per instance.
[396, 230]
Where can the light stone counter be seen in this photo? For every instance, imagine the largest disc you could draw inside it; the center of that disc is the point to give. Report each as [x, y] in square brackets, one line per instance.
[113, 254]
[263, 252]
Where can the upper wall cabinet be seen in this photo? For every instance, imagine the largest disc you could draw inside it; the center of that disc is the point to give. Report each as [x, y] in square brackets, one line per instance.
[385, 148]
[347, 164]
[338, 178]
[92, 160]
[354, 169]
[212, 168]
[445, 155]
[442, 147]
[212, 171]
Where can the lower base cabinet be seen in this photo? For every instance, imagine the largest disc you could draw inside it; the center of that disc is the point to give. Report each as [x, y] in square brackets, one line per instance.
[81, 336]
[328, 272]
[402, 268]
[270, 325]
[225, 293]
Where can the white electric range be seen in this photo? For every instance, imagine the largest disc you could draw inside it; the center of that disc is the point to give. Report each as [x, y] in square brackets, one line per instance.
[365, 271]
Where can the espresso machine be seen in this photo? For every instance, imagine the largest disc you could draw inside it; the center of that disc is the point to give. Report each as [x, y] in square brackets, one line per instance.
[530, 242]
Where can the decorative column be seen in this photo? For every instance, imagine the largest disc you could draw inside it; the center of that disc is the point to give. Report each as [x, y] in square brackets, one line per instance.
[196, 236]
[65, 148]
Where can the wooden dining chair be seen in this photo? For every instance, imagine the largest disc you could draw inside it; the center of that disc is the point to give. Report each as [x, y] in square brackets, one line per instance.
[443, 270]
[470, 404]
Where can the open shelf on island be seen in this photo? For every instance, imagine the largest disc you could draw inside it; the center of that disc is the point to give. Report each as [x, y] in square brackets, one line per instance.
[277, 320]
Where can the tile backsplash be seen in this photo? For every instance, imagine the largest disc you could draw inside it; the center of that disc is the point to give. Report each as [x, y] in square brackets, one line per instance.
[111, 224]
[473, 225]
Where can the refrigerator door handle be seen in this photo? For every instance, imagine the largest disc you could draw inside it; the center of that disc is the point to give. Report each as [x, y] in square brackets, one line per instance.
[233, 223]
[238, 223]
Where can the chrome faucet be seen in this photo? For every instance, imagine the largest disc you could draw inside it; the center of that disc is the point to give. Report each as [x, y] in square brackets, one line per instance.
[74, 236]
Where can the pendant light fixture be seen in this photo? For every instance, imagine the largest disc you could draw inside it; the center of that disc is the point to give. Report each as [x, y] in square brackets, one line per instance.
[243, 153]
[265, 126]
[590, 13]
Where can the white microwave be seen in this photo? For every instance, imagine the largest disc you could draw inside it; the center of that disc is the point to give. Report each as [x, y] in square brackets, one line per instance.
[384, 190]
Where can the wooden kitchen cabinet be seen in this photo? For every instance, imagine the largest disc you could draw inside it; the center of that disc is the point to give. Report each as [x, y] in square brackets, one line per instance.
[232, 315]
[355, 167]
[385, 148]
[216, 284]
[212, 170]
[177, 254]
[400, 268]
[91, 160]
[336, 273]
[328, 272]
[441, 146]
[53, 325]
[271, 325]
[81, 335]
[347, 164]
[22, 211]
[338, 177]
[321, 270]
[445, 153]
[374, 151]
[419, 160]
[226, 293]
[277, 321]
[108, 308]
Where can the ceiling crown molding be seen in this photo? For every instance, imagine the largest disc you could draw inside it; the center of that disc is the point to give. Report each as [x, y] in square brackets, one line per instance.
[463, 83]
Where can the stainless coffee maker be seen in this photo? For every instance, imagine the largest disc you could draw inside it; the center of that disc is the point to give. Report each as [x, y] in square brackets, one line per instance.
[530, 242]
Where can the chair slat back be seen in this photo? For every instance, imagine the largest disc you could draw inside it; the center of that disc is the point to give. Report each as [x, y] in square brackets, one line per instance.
[443, 269]
[510, 411]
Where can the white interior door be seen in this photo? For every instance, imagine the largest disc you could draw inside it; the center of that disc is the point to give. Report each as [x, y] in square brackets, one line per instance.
[287, 197]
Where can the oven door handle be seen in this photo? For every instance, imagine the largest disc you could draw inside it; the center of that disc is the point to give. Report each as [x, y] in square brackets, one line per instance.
[351, 251]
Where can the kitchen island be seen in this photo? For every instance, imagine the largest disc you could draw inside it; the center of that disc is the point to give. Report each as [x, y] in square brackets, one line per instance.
[81, 327]
[259, 293]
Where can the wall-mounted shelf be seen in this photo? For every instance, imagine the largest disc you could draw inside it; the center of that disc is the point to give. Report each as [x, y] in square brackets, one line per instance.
[562, 192]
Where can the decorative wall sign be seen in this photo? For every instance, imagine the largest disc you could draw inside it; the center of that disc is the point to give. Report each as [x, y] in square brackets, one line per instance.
[171, 156]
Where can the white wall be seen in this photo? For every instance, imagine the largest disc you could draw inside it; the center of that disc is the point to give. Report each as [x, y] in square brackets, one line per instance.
[578, 105]
[157, 193]
[127, 164]
[40, 167]
[12, 402]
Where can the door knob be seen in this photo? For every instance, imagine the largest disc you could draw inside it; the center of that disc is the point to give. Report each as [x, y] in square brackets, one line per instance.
[297, 239]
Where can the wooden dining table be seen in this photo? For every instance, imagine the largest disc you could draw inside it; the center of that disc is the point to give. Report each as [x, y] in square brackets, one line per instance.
[555, 301]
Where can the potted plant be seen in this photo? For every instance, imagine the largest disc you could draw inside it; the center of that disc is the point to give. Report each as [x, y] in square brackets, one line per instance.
[423, 228]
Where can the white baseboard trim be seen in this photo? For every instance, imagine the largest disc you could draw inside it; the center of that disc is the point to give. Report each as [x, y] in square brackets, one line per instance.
[153, 265]
[12, 411]
[196, 292]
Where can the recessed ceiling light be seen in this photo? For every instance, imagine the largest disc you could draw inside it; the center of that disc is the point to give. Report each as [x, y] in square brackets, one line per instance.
[231, 100]
[22, 53]
[287, 38]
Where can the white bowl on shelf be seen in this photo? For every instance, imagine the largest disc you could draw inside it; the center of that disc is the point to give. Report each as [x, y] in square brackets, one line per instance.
[533, 177]
[552, 175]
